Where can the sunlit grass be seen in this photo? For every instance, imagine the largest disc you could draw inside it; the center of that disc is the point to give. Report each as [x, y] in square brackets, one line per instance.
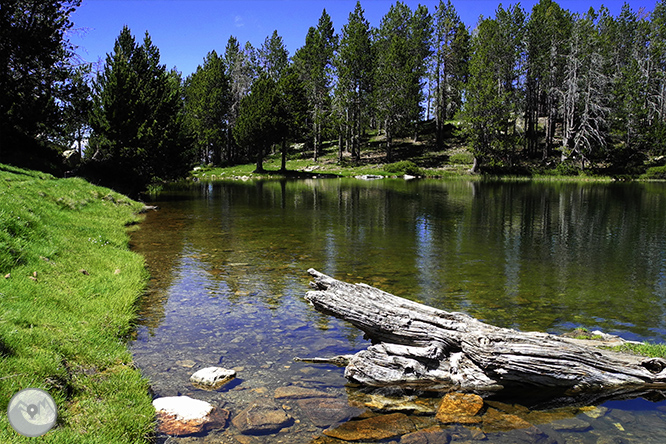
[644, 349]
[68, 289]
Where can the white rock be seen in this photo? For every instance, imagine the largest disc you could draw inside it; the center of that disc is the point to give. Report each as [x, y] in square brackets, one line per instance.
[212, 376]
[183, 408]
[181, 415]
[369, 177]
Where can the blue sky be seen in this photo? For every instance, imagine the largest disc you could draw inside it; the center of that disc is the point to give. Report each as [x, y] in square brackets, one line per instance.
[186, 30]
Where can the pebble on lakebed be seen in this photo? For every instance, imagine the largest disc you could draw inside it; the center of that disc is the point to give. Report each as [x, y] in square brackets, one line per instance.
[212, 378]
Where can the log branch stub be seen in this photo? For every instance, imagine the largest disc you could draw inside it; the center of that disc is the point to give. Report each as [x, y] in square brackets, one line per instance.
[417, 345]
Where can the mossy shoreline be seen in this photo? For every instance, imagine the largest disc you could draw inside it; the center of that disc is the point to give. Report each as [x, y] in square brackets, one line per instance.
[69, 287]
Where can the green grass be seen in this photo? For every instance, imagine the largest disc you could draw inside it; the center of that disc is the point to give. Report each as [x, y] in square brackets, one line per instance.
[644, 349]
[68, 292]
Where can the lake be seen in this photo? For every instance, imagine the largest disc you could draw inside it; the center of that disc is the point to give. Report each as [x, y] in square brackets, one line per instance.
[228, 268]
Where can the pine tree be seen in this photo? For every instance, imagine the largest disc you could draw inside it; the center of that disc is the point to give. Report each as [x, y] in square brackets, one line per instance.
[354, 66]
[36, 65]
[137, 119]
[274, 57]
[259, 125]
[242, 70]
[402, 49]
[78, 107]
[314, 62]
[207, 108]
[627, 42]
[495, 90]
[293, 109]
[548, 31]
[449, 67]
[657, 80]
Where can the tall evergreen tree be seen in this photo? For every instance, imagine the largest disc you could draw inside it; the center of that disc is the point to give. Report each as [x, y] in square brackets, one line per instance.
[207, 109]
[354, 66]
[293, 110]
[627, 46]
[451, 42]
[495, 90]
[402, 48]
[242, 69]
[77, 109]
[36, 63]
[274, 57]
[657, 79]
[314, 62]
[137, 121]
[548, 31]
[259, 123]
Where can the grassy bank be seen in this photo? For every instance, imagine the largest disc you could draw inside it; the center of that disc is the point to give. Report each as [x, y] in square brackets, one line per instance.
[68, 288]
[412, 158]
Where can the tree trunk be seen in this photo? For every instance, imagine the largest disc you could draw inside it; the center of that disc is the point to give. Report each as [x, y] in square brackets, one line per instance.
[260, 161]
[389, 148]
[283, 166]
[415, 346]
[475, 165]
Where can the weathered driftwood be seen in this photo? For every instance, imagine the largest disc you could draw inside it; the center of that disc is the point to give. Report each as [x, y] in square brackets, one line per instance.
[417, 345]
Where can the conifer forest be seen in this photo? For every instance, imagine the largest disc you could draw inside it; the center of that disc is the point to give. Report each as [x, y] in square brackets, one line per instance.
[524, 89]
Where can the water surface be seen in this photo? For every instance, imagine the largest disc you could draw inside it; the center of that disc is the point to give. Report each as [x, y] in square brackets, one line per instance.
[228, 264]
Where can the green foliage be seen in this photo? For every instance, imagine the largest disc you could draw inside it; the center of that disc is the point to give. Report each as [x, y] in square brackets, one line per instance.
[655, 173]
[403, 167]
[207, 108]
[491, 109]
[137, 121]
[259, 124]
[449, 71]
[354, 64]
[547, 34]
[567, 169]
[314, 63]
[464, 158]
[402, 46]
[274, 57]
[35, 67]
[63, 330]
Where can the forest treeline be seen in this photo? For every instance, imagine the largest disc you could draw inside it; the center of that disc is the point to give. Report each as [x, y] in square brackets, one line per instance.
[546, 87]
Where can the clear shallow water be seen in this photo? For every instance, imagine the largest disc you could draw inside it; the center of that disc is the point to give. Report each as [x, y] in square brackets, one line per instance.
[228, 274]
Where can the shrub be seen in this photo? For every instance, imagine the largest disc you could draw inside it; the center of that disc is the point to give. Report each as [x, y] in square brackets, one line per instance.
[465, 158]
[655, 173]
[403, 167]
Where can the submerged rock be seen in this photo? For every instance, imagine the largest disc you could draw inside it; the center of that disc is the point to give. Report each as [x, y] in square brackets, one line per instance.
[262, 417]
[431, 435]
[182, 415]
[294, 392]
[324, 412]
[373, 429]
[391, 404]
[212, 378]
[497, 421]
[461, 408]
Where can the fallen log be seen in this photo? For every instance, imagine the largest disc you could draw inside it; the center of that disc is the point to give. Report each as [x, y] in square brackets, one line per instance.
[414, 345]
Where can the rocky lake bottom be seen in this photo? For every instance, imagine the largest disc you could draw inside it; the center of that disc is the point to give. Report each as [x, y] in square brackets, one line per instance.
[228, 277]
[204, 323]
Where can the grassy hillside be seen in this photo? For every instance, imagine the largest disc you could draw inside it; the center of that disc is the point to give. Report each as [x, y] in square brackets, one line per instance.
[68, 289]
